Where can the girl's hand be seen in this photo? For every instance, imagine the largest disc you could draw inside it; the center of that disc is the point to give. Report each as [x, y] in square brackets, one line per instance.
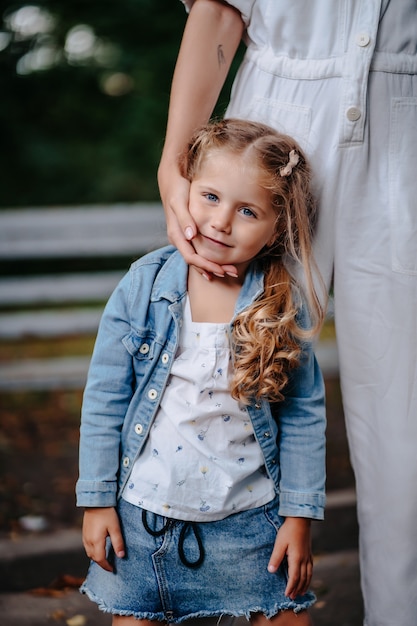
[180, 225]
[294, 542]
[98, 524]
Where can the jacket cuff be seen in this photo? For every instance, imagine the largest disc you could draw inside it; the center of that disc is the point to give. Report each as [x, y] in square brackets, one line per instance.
[94, 494]
[296, 504]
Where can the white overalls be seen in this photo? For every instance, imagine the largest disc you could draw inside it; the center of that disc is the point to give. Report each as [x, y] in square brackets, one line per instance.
[341, 77]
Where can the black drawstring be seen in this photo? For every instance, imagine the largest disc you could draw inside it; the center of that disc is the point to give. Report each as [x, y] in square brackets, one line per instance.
[154, 533]
[181, 553]
[183, 558]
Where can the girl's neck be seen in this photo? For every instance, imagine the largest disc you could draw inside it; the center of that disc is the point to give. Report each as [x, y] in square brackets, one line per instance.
[212, 301]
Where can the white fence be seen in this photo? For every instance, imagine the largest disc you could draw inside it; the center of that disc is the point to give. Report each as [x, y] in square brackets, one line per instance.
[57, 233]
[59, 304]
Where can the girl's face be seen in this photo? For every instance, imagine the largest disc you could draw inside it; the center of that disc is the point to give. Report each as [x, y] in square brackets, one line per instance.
[233, 213]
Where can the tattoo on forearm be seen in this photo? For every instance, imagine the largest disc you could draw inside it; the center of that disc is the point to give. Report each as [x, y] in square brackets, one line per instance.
[220, 55]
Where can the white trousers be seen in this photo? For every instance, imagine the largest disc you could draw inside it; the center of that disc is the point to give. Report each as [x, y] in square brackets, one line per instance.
[367, 236]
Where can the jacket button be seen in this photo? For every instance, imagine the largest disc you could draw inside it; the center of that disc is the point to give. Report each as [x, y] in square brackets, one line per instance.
[353, 114]
[138, 429]
[126, 461]
[144, 349]
[152, 394]
[267, 434]
[165, 358]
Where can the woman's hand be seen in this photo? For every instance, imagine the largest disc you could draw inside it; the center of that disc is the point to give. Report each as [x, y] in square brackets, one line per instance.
[294, 542]
[98, 524]
[181, 229]
[209, 43]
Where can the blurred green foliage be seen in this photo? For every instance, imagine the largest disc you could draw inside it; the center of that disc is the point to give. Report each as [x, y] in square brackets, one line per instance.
[84, 96]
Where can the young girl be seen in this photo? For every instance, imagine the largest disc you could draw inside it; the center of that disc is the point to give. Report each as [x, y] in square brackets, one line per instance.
[202, 435]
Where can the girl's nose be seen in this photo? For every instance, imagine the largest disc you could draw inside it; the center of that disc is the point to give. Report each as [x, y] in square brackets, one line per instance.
[221, 220]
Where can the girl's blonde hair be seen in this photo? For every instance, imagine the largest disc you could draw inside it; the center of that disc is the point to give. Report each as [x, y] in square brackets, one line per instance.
[266, 337]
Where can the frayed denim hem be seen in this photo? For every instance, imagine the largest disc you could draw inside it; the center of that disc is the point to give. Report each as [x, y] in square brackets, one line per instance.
[160, 617]
[169, 617]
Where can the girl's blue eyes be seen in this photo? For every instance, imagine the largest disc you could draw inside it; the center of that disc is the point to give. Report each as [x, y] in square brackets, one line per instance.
[211, 197]
[246, 211]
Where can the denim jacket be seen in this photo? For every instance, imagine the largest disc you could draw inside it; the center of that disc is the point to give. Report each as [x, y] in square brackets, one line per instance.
[131, 363]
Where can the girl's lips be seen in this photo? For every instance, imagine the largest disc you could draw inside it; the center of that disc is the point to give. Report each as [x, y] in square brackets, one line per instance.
[216, 241]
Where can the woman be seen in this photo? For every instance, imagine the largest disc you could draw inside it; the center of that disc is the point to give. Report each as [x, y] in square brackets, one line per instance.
[341, 77]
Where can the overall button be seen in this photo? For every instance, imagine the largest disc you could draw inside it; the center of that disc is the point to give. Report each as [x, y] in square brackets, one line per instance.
[152, 394]
[363, 39]
[138, 429]
[353, 114]
[144, 349]
[126, 461]
[165, 358]
[267, 435]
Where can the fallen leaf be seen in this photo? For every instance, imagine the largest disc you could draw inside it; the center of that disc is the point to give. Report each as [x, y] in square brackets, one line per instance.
[47, 592]
[77, 620]
[58, 587]
[320, 605]
[58, 615]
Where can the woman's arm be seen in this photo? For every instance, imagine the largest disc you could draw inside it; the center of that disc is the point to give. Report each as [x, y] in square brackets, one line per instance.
[211, 37]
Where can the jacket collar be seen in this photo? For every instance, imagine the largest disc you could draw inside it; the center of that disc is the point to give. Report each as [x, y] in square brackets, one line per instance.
[171, 282]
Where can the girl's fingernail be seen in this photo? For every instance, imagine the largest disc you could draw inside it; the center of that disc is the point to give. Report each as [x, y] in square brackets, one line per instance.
[232, 274]
[120, 554]
[218, 275]
[189, 233]
[272, 569]
[205, 276]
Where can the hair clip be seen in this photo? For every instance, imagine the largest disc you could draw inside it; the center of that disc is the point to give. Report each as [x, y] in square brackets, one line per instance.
[293, 160]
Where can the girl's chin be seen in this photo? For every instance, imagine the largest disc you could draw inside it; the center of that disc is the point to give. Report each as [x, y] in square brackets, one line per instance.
[219, 258]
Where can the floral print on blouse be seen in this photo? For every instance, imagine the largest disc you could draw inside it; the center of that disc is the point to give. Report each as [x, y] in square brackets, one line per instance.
[201, 461]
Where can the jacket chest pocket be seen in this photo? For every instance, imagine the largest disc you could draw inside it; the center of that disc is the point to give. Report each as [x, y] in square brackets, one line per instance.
[141, 346]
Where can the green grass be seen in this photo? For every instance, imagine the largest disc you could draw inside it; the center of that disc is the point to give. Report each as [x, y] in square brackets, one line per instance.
[76, 345]
[45, 348]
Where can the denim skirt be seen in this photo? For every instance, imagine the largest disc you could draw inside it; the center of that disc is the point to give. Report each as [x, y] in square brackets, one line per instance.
[175, 570]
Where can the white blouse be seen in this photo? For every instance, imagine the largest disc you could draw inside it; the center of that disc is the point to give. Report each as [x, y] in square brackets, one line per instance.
[201, 461]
